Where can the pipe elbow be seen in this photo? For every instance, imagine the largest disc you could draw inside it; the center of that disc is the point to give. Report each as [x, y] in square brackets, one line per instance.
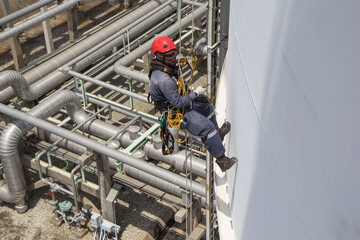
[7, 196]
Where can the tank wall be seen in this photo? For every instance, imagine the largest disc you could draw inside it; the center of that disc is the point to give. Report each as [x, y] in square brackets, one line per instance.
[292, 94]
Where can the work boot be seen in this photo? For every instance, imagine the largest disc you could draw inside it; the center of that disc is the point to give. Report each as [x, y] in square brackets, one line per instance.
[225, 128]
[225, 163]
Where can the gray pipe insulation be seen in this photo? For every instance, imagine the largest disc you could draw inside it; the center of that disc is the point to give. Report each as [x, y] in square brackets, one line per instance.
[140, 51]
[156, 182]
[38, 19]
[46, 76]
[128, 170]
[102, 149]
[24, 11]
[120, 66]
[177, 160]
[9, 139]
[15, 189]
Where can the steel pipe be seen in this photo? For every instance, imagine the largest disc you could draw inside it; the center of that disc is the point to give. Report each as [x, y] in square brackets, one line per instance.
[47, 182]
[19, 85]
[73, 183]
[105, 85]
[24, 11]
[118, 34]
[137, 75]
[140, 51]
[38, 19]
[48, 77]
[155, 181]
[133, 74]
[188, 2]
[16, 187]
[97, 147]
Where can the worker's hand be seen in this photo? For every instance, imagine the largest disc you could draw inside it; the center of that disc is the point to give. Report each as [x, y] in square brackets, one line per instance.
[200, 90]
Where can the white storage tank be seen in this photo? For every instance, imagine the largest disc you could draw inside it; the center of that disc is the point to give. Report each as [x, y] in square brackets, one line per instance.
[291, 89]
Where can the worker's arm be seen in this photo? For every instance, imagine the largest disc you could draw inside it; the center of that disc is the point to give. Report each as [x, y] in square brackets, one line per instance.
[163, 87]
[170, 90]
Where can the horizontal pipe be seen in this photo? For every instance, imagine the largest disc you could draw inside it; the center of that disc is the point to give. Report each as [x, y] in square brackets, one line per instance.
[133, 74]
[104, 84]
[102, 149]
[186, 21]
[46, 77]
[196, 4]
[48, 14]
[155, 182]
[24, 11]
[118, 34]
[137, 75]
[119, 108]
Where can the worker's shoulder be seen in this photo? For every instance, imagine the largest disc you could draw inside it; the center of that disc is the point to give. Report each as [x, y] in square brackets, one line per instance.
[160, 75]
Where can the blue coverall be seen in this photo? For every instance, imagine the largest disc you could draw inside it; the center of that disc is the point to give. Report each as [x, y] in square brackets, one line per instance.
[199, 117]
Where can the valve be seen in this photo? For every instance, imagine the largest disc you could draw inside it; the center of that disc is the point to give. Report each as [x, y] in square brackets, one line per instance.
[65, 207]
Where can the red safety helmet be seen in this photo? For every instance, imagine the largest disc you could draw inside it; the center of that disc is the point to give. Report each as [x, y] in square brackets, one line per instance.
[162, 44]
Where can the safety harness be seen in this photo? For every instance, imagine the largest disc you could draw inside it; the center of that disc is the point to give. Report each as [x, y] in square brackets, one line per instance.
[171, 117]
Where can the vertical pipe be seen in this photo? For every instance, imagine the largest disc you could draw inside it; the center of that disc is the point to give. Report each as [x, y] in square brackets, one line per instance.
[224, 32]
[74, 188]
[208, 203]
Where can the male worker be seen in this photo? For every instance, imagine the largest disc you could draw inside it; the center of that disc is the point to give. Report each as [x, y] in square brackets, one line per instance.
[199, 116]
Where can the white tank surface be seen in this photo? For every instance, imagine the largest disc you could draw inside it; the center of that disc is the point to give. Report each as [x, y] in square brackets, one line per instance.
[291, 90]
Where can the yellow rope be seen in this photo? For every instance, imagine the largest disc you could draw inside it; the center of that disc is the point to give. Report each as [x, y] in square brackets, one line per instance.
[175, 115]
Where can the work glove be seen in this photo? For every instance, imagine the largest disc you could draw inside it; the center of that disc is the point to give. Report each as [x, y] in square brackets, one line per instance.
[200, 90]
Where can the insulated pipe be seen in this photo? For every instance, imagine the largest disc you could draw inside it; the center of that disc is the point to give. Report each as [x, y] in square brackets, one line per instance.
[200, 46]
[24, 11]
[102, 149]
[133, 74]
[19, 85]
[119, 66]
[155, 181]
[106, 85]
[125, 111]
[38, 19]
[15, 189]
[140, 51]
[188, 2]
[137, 75]
[12, 134]
[49, 78]
[143, 77]
[118, 34]
[177, 160]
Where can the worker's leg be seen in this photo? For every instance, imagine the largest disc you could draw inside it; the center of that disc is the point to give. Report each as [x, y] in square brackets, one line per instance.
[199, 125]
[207, 110]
